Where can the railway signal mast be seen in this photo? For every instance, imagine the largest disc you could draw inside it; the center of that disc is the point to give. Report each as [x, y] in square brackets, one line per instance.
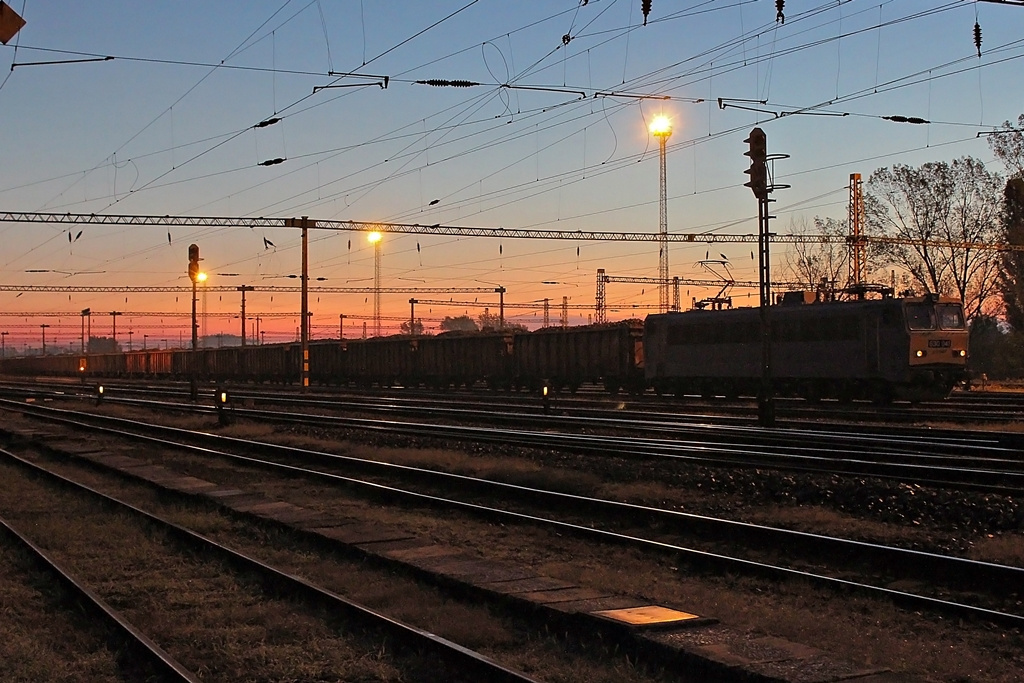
[762, 186]
[194, 275]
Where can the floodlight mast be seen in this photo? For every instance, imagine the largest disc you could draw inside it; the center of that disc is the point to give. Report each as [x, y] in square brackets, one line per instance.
[661, 128]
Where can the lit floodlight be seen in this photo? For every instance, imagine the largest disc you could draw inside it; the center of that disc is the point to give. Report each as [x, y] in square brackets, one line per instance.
[661, 126]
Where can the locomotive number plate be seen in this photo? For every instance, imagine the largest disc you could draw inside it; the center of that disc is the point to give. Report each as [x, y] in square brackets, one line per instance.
[939, 343]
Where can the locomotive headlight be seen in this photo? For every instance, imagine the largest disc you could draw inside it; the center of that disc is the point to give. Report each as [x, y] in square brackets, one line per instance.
[920, 354]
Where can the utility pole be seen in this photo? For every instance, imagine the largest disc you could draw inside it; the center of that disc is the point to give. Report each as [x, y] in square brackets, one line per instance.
[113, 326]
[44, 326]
[86, 313]
[305, 224]
[3, 344]
[243, 289]
[857, 245]
[501, 308]
[412, 316]
[341, 326]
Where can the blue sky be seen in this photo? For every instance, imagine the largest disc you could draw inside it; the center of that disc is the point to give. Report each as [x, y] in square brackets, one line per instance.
[166, 127]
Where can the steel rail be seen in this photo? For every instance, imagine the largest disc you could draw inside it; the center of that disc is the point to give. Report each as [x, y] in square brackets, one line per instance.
[978, 569]
[927, 444]
[320, 597]
[166, 667]
[751, 454]
[673, 424]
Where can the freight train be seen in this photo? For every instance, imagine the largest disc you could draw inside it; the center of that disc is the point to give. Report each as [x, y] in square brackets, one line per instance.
[876, 349]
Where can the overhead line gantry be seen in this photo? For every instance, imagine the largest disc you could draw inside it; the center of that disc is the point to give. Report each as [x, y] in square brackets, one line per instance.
[468, 231]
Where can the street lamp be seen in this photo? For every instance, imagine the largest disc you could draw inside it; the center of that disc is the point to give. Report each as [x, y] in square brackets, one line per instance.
[130, 333]
[44, 326]
[3, 344]
[145, 337]
[661, 128]
[374, 238]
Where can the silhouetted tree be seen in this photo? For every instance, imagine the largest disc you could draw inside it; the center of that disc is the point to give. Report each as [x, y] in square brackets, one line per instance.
[1007, 143]
[995, 352]
[956, 202]
[413, 328]
[462, 323]
[102, 345]
[1011, 276]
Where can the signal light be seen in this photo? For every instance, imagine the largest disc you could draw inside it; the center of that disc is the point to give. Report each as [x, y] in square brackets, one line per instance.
[193, 262]
[758, 170]
[99, 394]
[221, 400]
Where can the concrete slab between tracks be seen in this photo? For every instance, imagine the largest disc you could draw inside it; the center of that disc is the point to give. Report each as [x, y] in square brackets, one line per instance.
[698, 645]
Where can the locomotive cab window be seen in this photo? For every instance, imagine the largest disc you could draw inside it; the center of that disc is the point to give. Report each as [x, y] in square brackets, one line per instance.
[951, 316]
[920, 317]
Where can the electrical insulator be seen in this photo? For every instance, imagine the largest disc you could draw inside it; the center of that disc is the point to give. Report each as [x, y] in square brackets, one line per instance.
[780, 17]
[444, 83]
[977, 37]
[645, 7]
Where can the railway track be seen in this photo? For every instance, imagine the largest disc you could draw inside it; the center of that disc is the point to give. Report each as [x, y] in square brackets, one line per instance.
[961, 407]
[499, 586]
[607, 521]
[148, 660]
[984, 461]
[449, 661]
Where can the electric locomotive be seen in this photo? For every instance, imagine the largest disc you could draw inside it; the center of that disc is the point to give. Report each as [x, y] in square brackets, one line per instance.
[909, 348]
